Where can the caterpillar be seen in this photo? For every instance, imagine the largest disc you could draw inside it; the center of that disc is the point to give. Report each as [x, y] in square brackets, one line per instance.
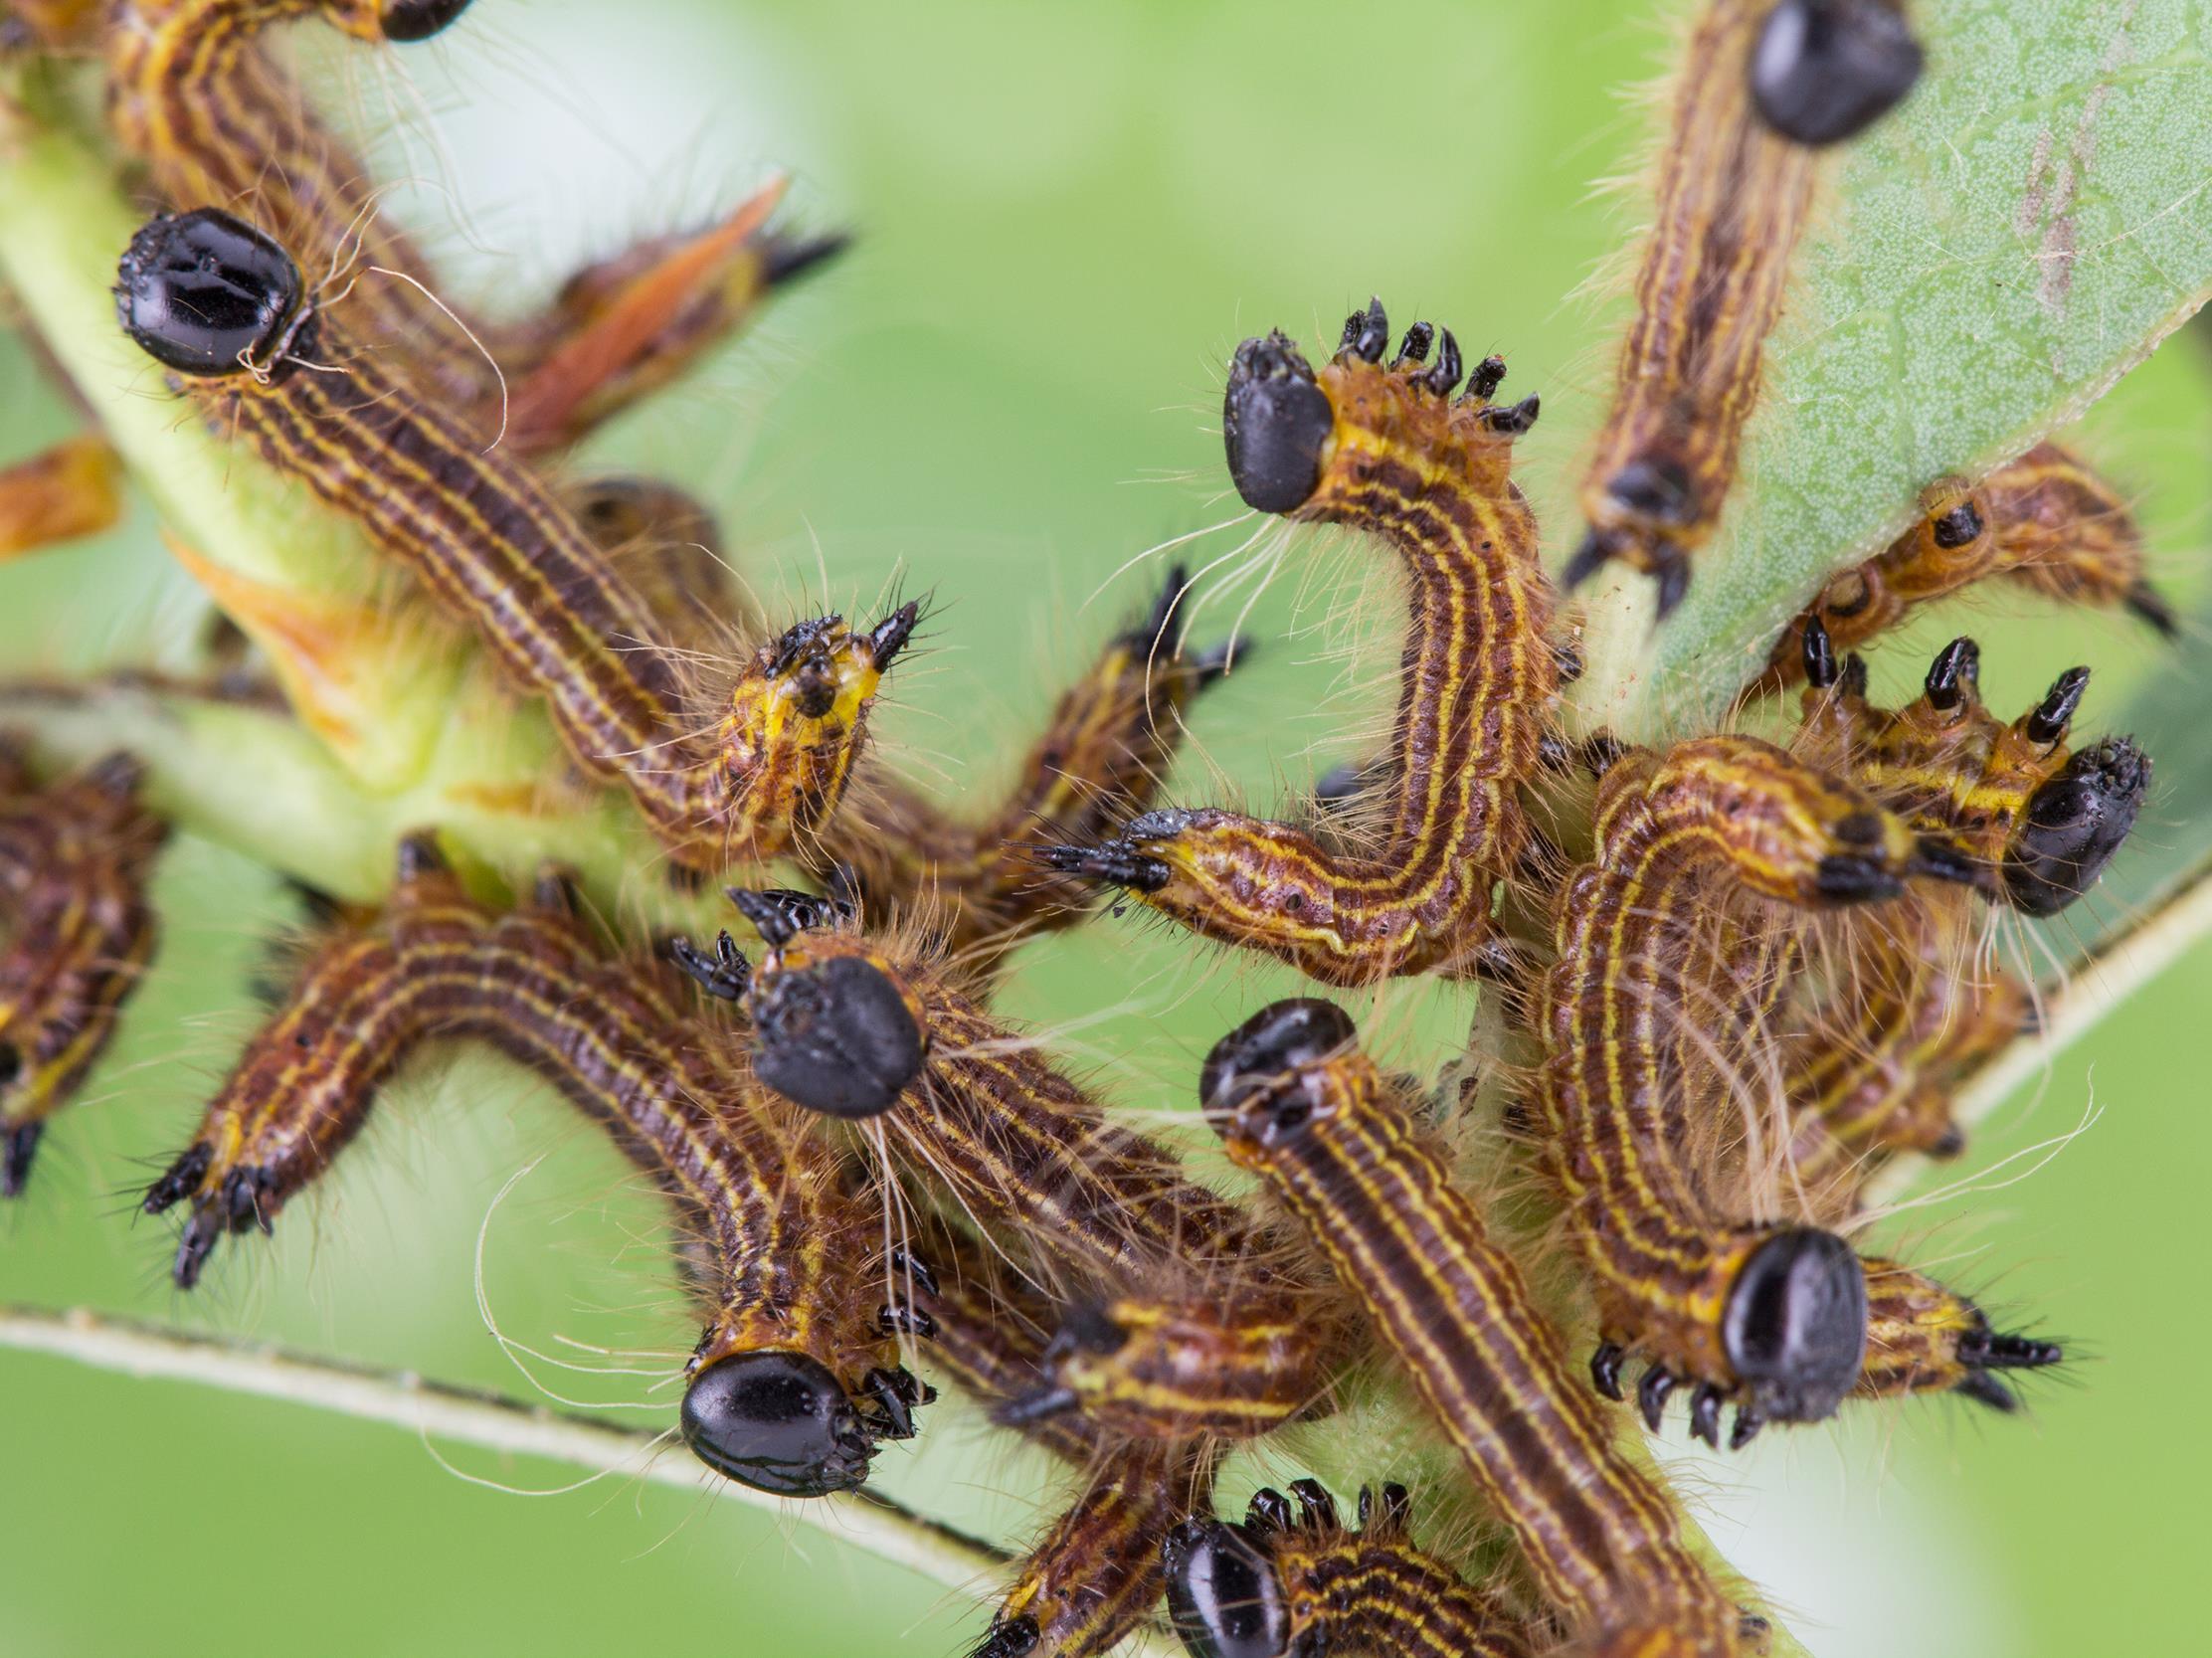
[1763, 84]
[222, 304]
[2045, 521]
[75, 860]
[1299, 1105]
[1920, 1008]
[1770, 1315]
[1104, 751]
[1277, 1586]
[795, 1380]
[70, 490]
[1095, 1574]
[1177, 1322]
[1389, 450]
[192, 92]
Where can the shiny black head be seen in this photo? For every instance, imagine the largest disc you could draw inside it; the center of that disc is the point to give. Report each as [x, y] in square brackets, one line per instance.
[1224, 1594]
[417, 19]
[206, 293]
[1796, 1325]
[778, 1422]
[1824, 71]
[1279, 1038]
[1276, 422]
[835, 1037]
[2074, 824]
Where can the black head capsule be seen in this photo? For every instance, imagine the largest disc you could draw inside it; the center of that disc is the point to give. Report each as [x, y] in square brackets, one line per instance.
[1796, 1325]
[1224, 1594]
[408, 20]
[836, 1038]
[206, 293]
[1280, 1039]
[2074, 824]
[778, 1422]
[1275, 423]
[1823, 71]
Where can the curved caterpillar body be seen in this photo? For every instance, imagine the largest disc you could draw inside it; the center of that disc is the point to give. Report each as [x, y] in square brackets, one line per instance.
[1104, 752]
[208, 295]
[1389, 450]
[1177, 1323]
[1735, 193]
[1878, 1058]
[1095, 1574]
[1275, 1586]
[192, 90]
[795, 1379]
[2045, 521]
[75, 860]
[1770, 1315]
[1301, 1107]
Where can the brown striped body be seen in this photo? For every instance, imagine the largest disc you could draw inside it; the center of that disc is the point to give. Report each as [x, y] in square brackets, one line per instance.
[1373, 1590]
[1429, 479]
[76, 857]
[1178, 1322]
[1714, 825]
[1102, 756]
[782, 1259]
[193, 91]
[2046, 521]
[1597, 1532]
[1732, 201]
[501, 554]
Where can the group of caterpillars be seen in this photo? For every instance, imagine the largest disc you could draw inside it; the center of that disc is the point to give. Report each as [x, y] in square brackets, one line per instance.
[1746, 973]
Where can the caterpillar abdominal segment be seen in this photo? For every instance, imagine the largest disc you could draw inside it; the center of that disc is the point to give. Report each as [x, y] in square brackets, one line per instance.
[1387, 449]
[1735, 193]
[1301, 1107]
[1104, 751]
[1096, 1573]
[75, 860]
[794, 1381]
[193, 93]
[2045, 521]
[210, 296]
[1177, 1323]
[1281, 1588]
[1769, 1314]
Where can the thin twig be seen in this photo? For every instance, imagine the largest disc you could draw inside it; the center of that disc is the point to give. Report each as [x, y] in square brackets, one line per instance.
[470, 1416]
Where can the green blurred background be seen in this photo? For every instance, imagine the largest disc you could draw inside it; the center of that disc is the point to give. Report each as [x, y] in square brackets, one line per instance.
[1067, 216]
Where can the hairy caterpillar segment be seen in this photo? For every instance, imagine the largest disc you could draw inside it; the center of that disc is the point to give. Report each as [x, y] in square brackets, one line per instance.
[1922, 1005]
[1924, 1339]
[2045, 521]
[668, 546]
[75, 861]
[192, 92]
[1385, 450]
[1096, 1574]
[1770, 1316]
[1102, 756]
[794, 1378]
[1301, 1107]
[70, 489]
[1278, 1587]
[208, 295]
[1733, 198]
[1177, 1323]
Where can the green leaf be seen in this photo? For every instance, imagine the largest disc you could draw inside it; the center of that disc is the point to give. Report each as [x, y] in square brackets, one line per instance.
[1994, 256]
